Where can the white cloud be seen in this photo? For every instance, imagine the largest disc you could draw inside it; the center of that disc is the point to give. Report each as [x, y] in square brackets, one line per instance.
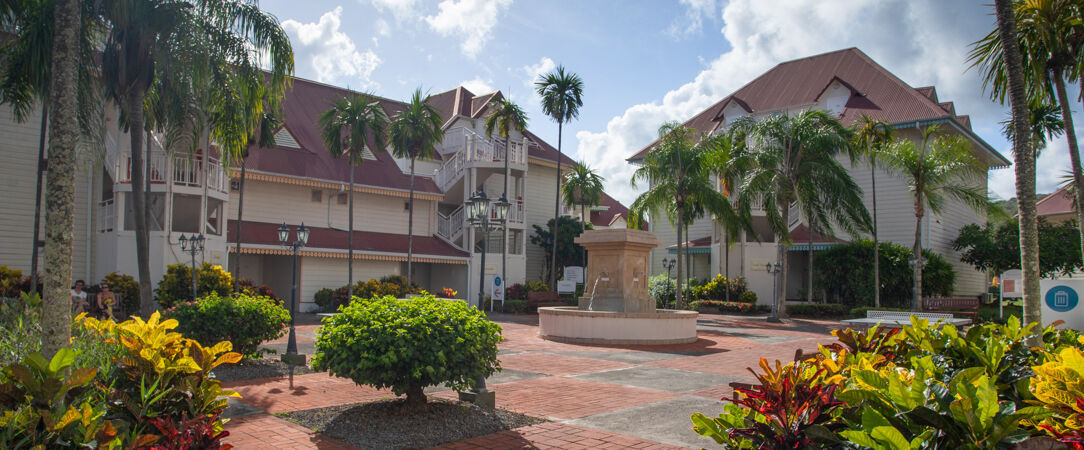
[401, 9]
[923, 42]
[382, 28]
[533, 71]
[478, 85]
[696, 11]
[472, 21]
[331, 55]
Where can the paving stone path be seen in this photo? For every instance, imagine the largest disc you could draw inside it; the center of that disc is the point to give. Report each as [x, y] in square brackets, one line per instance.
[595, 396]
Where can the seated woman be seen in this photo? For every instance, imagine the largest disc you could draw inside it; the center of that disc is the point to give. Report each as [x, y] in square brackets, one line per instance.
[106, 300]
[79, 297]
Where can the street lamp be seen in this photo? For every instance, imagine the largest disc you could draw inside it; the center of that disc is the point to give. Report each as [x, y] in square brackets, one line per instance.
[291, 356]
[480, 216]
[668, 264]
[192, 246]
[774, 270]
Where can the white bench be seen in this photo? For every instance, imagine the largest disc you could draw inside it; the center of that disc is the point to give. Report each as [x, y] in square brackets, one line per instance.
[897, 319]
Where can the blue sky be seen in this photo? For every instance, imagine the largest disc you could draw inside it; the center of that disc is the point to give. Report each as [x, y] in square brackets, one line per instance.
[643, 62]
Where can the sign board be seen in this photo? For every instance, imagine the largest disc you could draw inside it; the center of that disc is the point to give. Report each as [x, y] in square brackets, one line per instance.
[1061, 301]
[1012, 284]
[491, 269]
[574, 273]
[566, 287]
[495, 287]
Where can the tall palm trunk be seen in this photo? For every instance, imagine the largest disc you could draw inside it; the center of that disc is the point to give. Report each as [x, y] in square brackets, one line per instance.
[809, 265]
[139, 200]
[504, 227]
[1074, 150]
[916, 253]
[781, 257]
[350, 237]
[60, 191]
[240, 211]
[410, 228]
[1024, 159]
[876, 245]
[678, 293]
[726, 264]
[556, 208]
[37, 197]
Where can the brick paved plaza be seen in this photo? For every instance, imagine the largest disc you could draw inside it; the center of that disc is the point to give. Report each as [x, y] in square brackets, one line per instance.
[594, 396]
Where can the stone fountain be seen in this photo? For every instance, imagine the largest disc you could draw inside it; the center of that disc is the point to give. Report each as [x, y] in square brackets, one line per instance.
[616, 307]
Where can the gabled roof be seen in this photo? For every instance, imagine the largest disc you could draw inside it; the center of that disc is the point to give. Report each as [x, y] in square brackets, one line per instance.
[1059, 202]
[606, 217]
[882, 95]
[262, 233]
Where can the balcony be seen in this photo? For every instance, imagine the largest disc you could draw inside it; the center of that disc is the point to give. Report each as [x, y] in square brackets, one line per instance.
[451, 225]
[463, 149]
[181, 170]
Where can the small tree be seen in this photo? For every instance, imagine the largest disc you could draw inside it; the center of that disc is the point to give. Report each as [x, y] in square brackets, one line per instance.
[568, 252]
[996, 247]
[409, 344]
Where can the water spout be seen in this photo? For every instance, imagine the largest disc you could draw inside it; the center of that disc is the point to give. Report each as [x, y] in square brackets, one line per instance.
[591, 300]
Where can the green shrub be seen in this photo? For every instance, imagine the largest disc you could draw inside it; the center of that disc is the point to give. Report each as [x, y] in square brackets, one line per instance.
[127, 288]
[536, 286]
[245, 321]
[730, 307]
[12, 282]
[662, 289]
[176, 285]
[516, 292]
[817, 310]
[408, 344]
[716, 288]
[515, 306]
[845, 271]
[20, 322]
[247, 287]
[325, 299]
[748, 297]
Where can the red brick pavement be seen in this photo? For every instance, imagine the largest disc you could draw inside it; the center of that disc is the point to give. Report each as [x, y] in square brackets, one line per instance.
[559, 398]
[314, 390]
[736, 362]
[553, 364]
[264, 431]
[556, 436]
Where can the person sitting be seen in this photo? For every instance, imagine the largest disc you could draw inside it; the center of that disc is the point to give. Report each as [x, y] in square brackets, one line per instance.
[106, 300]
[79, 297]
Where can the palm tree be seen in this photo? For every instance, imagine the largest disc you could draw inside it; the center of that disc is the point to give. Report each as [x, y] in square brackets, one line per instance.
[414, 133]
[678, 172]
[562, 97]
[583, 187]
[347, 127]
[1050, 38]
[935, 168]
[871, 135]
[506, 116]
[791, 160]
[1045, 123]
[264, 137]
[148, 39]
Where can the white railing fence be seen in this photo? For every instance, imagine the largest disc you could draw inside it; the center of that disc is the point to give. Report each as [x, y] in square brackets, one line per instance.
[107, 216]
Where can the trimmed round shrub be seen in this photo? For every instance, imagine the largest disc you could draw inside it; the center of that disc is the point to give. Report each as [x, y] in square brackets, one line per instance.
[662, 289]
[748, 297]
[407, 345]
[127, 288]
[244, 320]
[325, 299]
[176, 285]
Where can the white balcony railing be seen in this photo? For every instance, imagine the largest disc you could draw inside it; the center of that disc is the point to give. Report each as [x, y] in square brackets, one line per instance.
[107, 216]
[181, 170]
[449, 226]
[462, 148]
[795, 214]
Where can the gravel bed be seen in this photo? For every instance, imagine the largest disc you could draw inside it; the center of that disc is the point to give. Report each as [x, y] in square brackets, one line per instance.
[249, 369]
[384, 424]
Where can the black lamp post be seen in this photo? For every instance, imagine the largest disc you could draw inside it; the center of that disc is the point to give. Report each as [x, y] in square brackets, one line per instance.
[668, 264]
[192, 246]
[774, 270]
[480, 216]
[291, 356]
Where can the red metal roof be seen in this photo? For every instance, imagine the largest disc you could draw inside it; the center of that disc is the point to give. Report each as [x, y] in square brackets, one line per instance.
[614, 208]
[800, 235]
[878, 93]
[1059, 202]
[261, 233]
[700, 242]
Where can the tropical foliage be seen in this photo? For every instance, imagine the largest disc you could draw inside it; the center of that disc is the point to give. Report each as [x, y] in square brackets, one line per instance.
[871, 136]
[562, 97]
[569, 253]
[243, 320]
[843, 272]
[583, 188]
[407, 345]
[176, 284]
[995, 247]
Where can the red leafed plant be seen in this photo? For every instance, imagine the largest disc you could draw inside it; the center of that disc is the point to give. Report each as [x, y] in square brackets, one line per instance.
[448, 293]
[188, 434]
[879, 340]
[793, 398]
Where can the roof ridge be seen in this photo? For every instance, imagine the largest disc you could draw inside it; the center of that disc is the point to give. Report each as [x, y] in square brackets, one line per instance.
[320, 83]
[907, 87]
[1060, 190]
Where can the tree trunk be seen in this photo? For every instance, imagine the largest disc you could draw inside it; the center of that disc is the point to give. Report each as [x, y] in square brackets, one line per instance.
[415, 397]
[781, 257]
[556, 209]
[809, 265]
[410, 228]
[139, 204]
[60, 190]
[726, 270]
[504, 227]
[240, 211]
[147, 182]
[1024, 159]
[876, 246]
[350, 236]
[1074, 150]
[34, 252]
[677, 293]
[916, 253]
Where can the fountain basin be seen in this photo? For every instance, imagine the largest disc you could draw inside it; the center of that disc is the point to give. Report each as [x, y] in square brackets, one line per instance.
[575, 326]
